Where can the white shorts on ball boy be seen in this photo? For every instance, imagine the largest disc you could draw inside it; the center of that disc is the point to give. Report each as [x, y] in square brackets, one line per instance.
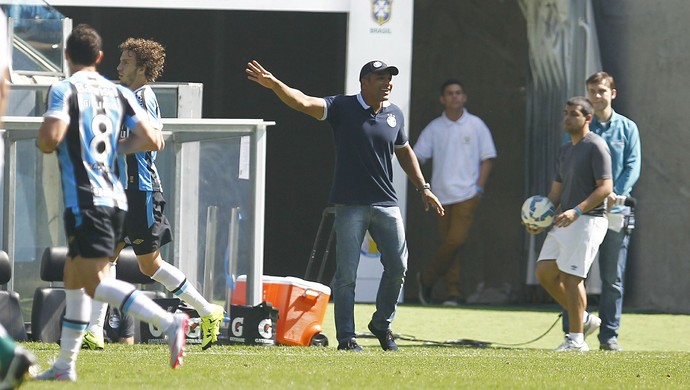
[575, 247]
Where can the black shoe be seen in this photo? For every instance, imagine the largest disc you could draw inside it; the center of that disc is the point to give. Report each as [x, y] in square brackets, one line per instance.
[350, 345]
[423, 291]
[611, 346]
[385, 338]
[18, 369]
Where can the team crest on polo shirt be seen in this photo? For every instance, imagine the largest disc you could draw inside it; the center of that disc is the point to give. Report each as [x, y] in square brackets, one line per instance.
[391, 120]
[381, 11]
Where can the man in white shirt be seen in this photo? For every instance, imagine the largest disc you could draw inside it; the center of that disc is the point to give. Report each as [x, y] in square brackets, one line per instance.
[462, 150]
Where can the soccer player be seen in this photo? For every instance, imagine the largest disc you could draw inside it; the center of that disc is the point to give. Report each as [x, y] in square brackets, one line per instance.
[367, 130]
[82, 122]
[581, 183]
[15, 361]
[146, 227]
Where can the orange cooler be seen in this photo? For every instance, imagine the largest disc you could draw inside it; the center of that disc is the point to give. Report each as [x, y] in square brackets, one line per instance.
[301, 307]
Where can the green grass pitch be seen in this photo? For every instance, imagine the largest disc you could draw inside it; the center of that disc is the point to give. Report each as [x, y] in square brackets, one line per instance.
[657, 352]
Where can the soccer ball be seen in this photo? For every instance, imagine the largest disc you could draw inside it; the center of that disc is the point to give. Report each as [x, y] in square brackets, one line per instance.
[538, 212]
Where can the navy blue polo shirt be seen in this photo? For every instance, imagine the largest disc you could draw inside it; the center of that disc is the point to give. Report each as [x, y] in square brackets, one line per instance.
[364, 144]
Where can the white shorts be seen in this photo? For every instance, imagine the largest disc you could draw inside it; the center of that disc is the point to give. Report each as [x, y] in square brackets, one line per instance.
[575, 247]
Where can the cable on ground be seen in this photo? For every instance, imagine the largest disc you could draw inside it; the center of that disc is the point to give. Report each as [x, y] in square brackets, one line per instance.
[462, 342]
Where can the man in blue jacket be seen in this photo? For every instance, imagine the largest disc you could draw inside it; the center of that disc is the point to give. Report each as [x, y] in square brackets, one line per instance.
[623, 138]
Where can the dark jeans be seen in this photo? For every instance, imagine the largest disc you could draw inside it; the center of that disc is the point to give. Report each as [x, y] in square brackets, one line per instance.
[386, 227]
[613, 254]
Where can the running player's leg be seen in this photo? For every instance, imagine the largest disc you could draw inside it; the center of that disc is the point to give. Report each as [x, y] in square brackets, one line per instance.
[148, 230]
[130, 301]
[175, 281]
[94, 336]
[92, 242]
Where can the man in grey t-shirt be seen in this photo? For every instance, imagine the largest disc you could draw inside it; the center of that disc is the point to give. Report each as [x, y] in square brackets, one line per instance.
[582, 181]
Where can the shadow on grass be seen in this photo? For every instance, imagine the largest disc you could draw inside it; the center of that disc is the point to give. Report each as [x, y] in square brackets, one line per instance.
[469, 343]
[482, 307]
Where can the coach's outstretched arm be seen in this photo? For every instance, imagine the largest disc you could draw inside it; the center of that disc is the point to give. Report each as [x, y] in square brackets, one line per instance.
[292, 97]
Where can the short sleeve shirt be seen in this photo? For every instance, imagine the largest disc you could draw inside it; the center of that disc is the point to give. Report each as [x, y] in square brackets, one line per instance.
[142, 174]
[365, 142]
[578, 167]
[457, 149]
[94, 110]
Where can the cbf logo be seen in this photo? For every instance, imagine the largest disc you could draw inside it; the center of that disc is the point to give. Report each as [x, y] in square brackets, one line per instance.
[381, 11]
[391, 120]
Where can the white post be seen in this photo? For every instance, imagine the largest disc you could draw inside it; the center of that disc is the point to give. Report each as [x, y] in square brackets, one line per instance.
[210, 251]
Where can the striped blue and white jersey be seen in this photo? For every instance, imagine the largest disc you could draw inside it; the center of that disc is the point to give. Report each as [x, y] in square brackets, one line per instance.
[94, 109]
[141, 171]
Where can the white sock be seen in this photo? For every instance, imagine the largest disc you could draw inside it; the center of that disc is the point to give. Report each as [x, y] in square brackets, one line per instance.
[125, 297]
[77, 311]
[174, 280]
[99, 309]
[585, 317]
[97, 320]
[578, 338]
